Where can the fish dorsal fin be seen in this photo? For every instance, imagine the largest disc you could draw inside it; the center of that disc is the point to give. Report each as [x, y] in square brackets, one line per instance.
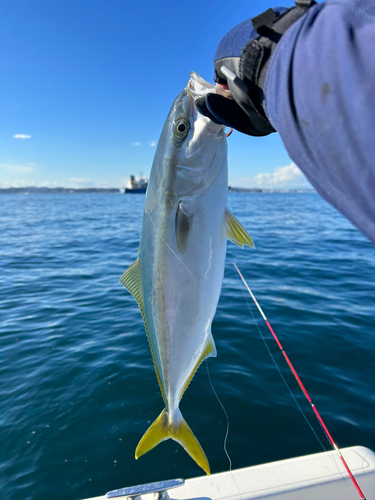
[132, 281]
[236, 232]
[208, 352]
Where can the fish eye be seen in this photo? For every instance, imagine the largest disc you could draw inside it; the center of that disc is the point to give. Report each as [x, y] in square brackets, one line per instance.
[181, 129]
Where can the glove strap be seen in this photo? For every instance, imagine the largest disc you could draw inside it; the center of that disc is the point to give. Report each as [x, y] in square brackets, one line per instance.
[269, 17]
[270, 26]
[255, 58]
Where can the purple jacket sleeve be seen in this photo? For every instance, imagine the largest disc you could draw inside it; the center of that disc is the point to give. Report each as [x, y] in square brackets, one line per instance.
[320, 97]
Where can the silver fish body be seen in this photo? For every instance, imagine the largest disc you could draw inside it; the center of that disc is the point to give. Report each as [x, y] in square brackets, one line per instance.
[178, 277]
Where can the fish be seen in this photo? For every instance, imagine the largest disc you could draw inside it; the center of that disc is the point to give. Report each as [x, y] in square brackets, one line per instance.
[177, 277]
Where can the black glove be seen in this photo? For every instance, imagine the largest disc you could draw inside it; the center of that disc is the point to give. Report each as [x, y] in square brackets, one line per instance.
[241, 61]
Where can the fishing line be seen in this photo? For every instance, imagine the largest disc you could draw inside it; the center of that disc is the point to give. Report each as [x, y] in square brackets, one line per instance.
[287, 385]
[302, 387]
[226, 432]
[226, 416]
[282, 376]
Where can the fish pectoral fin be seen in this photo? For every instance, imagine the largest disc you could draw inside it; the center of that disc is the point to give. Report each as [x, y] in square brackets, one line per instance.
[183, 225]
[236, 232]
[162, 428]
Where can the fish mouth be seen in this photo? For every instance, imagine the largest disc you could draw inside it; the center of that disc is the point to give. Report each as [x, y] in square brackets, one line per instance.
[198, 87]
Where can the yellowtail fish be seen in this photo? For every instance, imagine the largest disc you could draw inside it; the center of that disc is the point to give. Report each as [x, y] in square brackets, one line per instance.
[178, 275]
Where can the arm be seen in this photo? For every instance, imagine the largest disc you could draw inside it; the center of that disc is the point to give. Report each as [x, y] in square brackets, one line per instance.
[313, 82]
[320, 96]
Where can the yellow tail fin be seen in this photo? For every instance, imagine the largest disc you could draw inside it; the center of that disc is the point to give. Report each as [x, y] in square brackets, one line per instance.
[163, 428]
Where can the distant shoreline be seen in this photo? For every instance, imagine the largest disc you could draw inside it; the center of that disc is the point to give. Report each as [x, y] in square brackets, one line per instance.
[61, 190]
[268, 190]
[58, 190]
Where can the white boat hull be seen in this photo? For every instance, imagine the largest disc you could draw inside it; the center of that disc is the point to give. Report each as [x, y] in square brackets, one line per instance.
[312, 477]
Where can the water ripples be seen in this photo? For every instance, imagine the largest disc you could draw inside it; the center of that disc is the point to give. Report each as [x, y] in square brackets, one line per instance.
[77, 385]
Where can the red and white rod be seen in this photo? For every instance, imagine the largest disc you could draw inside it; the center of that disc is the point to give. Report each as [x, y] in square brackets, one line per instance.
[330, 439]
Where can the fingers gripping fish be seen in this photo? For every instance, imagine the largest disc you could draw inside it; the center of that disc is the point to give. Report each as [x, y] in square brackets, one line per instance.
[177, 278]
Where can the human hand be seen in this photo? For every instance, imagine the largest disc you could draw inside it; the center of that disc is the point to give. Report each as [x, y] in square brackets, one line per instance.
[241, 61]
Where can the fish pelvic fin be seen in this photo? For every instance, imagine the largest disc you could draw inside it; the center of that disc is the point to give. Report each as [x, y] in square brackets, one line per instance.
[178, 430]
[132, 281]
[236, 233]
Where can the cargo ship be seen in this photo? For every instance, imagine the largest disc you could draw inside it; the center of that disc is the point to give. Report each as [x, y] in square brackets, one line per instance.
[136, 185]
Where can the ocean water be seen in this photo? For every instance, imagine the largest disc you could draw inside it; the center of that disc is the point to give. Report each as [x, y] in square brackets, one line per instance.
[77, 385]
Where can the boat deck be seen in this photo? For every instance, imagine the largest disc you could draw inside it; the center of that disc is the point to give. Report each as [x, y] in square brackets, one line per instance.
[313, 477]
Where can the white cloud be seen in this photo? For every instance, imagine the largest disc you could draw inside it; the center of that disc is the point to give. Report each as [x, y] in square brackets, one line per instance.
[282, 177]
[16, 184]
[152, 143]
[79, 180]
[136, 144]
[22, 183]
[49, 184]
[82, 182]
[22, 136]
[17, 169]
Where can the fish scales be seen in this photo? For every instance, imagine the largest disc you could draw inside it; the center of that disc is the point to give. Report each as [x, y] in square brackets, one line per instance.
[178, 276]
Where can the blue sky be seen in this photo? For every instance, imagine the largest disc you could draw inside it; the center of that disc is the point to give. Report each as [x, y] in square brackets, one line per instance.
[86, 86]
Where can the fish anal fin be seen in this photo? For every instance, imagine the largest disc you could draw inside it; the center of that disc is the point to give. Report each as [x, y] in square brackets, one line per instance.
[132, 281]
[208, 352]
[236, 232]
[178, 430]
